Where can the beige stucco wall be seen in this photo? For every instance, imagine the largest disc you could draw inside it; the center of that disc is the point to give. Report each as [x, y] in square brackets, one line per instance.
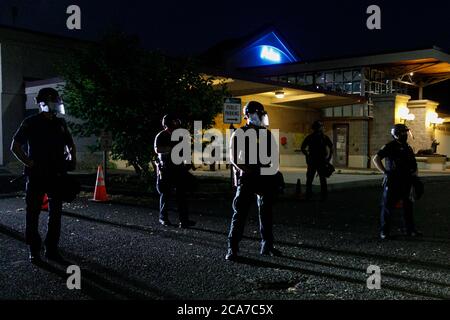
[422, 131]
[384, 117]
[358, 162]
[293, 124]
[443, 137]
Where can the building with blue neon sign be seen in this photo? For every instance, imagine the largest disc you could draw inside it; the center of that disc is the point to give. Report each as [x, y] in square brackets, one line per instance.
[263, 51]
[264, 48]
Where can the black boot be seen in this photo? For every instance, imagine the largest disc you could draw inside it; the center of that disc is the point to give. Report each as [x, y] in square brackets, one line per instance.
[384, 235]
[231, 255]
[54, 255]
[35, 255]
[187, 224]
[413, 233]
[165, 222]
[270, 251]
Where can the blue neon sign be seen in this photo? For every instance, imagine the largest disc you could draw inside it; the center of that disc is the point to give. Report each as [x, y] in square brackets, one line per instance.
[266, 50]
[270, 53]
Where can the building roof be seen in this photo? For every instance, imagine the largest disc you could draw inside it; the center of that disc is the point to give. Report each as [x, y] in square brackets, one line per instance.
[429, 65]
[19, 30]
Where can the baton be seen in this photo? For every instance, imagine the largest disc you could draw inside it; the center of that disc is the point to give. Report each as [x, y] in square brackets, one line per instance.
[17, 179]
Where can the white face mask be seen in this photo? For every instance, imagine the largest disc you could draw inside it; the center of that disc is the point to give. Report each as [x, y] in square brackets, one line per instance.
[256, 120]
[53, 107]
[265, 120]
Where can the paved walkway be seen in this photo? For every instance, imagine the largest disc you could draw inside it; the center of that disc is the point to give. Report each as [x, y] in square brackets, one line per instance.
[342, 179]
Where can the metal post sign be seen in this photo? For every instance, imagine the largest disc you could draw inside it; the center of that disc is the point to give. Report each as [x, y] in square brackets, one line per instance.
[232, 111]
[106, 140]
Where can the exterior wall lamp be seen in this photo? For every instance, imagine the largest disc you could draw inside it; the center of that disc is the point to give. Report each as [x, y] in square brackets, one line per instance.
[405, 115]
[434, 120]
[279, 94]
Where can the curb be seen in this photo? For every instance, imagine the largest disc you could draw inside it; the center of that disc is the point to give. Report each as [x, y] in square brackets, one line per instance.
[289, 192]
[368, 183]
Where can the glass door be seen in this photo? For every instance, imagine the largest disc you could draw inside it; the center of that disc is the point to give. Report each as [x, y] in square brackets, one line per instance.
[340, 134]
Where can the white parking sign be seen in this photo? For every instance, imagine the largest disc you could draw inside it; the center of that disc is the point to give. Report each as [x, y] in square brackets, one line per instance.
[232, 111]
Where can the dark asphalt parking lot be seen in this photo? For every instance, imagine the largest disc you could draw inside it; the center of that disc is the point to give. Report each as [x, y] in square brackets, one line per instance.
[327, 247]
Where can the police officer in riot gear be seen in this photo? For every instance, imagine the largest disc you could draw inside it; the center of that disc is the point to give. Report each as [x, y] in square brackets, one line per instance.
[400, 171]
[318, 149]
[171, 176]
[249, 181]
[50, 153]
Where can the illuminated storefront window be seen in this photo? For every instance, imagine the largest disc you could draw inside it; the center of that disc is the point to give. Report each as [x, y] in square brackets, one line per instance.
[362, 81]
[342, 81]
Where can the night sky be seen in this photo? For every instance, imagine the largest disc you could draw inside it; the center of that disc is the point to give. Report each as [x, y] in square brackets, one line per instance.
[316, 29]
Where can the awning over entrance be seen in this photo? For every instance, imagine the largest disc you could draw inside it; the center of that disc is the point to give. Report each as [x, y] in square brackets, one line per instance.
[423, 68]
[417, 67]
[272, 93]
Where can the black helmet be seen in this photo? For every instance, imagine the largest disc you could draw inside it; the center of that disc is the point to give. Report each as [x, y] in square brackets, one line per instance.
[254, 107]
[317, 125]
[399, 129]
[168, 119]
[47, 94]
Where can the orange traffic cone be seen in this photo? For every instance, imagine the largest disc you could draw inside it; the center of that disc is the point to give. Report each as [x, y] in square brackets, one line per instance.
[45, 203]
[100, 194]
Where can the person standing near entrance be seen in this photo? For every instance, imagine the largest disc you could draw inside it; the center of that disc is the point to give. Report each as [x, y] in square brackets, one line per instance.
[171, 176]
[318, 149]
[50, 154]
[400, 173]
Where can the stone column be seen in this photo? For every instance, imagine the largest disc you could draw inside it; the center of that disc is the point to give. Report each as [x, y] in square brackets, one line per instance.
[421, 128]
[384, 117]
